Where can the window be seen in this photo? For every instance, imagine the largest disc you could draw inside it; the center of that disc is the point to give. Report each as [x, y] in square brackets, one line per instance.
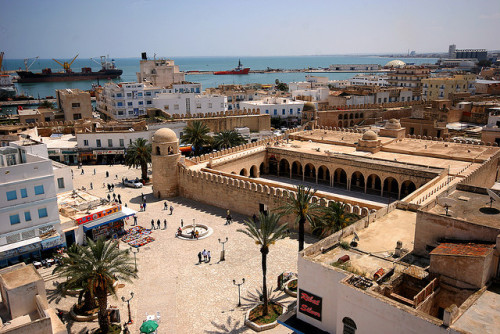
[11, 195]
[148, 102]
[60, 183]
[120, 104]
[129, 94]
[14, 219]
[148, 93]
[39, 190]
[77, 117]
[283, 111]
[198, 105]
[141, 103]
[139, 94]
[110, 142]
[98, 142]
[122, 143]
[119, 95]
[267, 111]
[27, 216]
[291, 111]
[75, 105]
[349, 326]
[210, 106]
[24, 193]
[275, 111]
[176, 107]
[166, 107]
[129, 104]
[42, 213]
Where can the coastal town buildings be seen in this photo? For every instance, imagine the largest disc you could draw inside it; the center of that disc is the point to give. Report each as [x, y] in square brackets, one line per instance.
[491, 131]
[160, 72]
[238, 93]
[409, 77]
[442, 87]
[74, 103]
[369, 80]
[275, 107]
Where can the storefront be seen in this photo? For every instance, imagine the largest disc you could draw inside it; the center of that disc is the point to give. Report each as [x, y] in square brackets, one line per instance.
[111, 225]
[20, 251]
[69, 157]
[109, 156]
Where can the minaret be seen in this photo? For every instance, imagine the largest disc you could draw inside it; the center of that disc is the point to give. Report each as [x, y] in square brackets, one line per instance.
[165, 156]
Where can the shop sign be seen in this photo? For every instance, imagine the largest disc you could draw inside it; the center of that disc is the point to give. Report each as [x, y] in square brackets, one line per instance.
[52, 242]
[97, 215]
[53, 151]
[69, 152]
[310, 304]
[105, 152]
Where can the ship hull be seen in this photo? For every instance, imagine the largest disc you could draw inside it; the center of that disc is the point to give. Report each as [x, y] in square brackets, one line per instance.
[243, 71]
[30, 77]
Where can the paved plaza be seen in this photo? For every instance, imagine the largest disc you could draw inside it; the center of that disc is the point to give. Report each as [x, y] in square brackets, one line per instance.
[190, 297]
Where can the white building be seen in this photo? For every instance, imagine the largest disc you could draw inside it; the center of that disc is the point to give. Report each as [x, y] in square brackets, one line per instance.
[190, 103]
[160, 72]
[369, 80]
[28, 206]
[276, 107]
[316, 94]
[354, 67]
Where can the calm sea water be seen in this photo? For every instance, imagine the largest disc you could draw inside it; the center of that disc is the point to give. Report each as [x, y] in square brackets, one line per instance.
[131, 65]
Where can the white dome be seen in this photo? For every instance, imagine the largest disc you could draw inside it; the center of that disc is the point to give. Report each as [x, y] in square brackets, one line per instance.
[395, 63]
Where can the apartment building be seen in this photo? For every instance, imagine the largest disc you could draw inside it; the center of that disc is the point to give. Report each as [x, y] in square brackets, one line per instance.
[190, 103]
[160, 72]
[409, 77]
[276, 107]
[442, 87]
[74, 103]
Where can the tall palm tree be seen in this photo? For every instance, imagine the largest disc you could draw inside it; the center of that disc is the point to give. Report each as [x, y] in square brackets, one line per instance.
[227, 139]
[269, 232]
[302, 208]
[139, 155]
[336, 218]
[98, 266]
[196, 134]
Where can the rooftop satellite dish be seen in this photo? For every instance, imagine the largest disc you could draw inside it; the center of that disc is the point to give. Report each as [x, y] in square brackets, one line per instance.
[447, 203]
[493, 197]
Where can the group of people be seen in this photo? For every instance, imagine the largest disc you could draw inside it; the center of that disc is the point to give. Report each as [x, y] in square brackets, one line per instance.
[165, 207]
[158, 224]
[205, 256]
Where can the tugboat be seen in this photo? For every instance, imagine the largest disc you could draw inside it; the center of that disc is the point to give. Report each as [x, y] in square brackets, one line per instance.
[238, 70]
[107, 71]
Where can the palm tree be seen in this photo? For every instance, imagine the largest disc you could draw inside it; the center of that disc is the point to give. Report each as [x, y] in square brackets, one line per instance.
[269, 232]
[139, 155]
[227, 139]
[336, 218]
[302, 207]
[196, 134]
[98, 266]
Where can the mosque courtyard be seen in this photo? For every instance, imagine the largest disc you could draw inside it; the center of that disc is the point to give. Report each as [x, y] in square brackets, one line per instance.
[190, 297]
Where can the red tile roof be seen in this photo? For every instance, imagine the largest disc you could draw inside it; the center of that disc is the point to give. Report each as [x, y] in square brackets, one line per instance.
[469, 249]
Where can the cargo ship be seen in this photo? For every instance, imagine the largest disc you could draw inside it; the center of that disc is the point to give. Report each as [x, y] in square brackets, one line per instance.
[107, 71]
[238, 70]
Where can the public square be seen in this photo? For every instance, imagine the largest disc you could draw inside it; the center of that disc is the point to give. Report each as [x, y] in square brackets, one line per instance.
[190, 297]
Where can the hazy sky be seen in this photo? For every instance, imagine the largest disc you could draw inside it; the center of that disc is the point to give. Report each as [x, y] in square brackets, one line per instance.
[125, 28]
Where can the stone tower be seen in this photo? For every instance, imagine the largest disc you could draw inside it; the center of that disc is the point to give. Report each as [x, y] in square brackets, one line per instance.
[165, 156]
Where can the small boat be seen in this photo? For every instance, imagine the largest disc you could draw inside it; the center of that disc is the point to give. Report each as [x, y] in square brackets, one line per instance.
[238, 70]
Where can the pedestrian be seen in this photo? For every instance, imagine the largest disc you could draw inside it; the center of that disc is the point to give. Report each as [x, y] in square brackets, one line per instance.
[113, 187]
[83, 172]
[204, 253]
[109, 187]
[182, 223]
[107, 174]
[164, 224]
[141, 205]
[116, 177]
[171, 209]
[94, 171]
[142, 197]
[199, 257]
[119, 198]
[114, 197]
[144, 205]
[123, 181]
[109, 198]
[91, 186]
[209, 256]
[104, 185]
[158, 224]
[165, 206]
[135, 219]
[152, 224]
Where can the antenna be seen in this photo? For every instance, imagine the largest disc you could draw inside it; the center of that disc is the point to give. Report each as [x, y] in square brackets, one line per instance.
[493, 197]
[447, 203]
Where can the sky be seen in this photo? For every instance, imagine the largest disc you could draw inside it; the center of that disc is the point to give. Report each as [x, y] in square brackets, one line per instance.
[125, 28]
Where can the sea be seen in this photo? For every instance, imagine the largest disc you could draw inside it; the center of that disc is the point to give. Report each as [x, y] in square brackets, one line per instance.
[131, 65]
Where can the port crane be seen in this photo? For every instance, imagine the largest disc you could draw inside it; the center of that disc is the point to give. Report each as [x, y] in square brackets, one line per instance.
[26, 60]
[66, 65]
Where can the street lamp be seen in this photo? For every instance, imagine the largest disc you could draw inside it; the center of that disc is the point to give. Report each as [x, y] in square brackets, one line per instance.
[222, 253]
[239, 289]
[128, 306]
[135, 251]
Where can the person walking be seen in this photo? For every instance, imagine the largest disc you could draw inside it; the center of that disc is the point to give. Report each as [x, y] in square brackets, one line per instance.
[144, 205]
[114, 197]
[165, 205]
[119, 198]
[94, 171]
[135, 220]
[83, 172]
[91, 186]
[199, 257]
[209, 256]
[204, 253]
[158, 224]
[109, 198]
[141, 207]
[182, 223]
[164, 224]
[152, 224]
[107, 173]
[171, 210]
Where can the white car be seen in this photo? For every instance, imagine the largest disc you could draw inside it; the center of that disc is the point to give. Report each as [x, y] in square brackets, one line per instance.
[133, 184]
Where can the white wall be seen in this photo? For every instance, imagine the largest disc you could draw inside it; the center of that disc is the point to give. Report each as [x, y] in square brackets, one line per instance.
[64, 172]
[177, 103]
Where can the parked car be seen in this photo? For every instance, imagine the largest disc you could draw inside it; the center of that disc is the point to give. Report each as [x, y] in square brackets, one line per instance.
[133, 183]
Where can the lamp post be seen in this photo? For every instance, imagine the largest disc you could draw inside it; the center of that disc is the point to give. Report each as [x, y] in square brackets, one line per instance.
[222, 253]
[128, 306]
[239, 289]
[135, 251]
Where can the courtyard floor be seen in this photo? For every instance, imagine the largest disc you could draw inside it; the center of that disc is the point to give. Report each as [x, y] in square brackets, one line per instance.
[190, 297]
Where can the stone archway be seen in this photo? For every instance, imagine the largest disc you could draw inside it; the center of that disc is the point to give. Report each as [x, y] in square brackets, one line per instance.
[310, 173]
[273, 166]
[357, 182]
[297, 170]
[262, 169]
[373, 184]
[340, 178]
[391, 187]
[407, 187]
[323, 175]
[284, 168]
[244, 172]
[254, 171]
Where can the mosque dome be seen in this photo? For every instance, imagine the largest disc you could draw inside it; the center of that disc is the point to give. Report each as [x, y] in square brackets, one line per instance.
[308, 106]
[369, 135]
[395, 63]
[393, 124]
[164, 135]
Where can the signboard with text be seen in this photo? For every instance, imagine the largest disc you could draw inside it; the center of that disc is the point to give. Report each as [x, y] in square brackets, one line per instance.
[310, 304]
[97, 215]
[105, 152]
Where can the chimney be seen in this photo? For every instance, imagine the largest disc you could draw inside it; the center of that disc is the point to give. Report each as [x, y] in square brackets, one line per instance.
[143, 56]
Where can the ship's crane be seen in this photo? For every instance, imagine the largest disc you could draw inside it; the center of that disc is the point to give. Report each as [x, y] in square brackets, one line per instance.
[1, 60]
[66, 65]
[26, 60]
